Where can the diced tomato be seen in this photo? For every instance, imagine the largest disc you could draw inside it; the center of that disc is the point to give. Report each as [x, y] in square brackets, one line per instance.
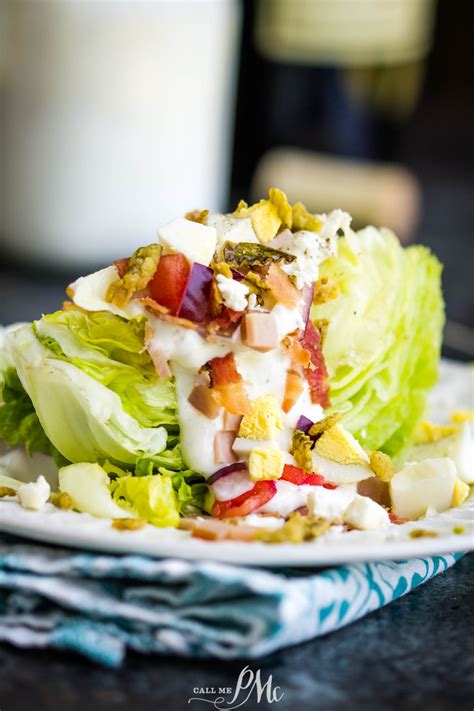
[121, 266]
[247, 502]
[169, 281]
[293, 474]
[298, 476]
[327, 485]
[316, 373]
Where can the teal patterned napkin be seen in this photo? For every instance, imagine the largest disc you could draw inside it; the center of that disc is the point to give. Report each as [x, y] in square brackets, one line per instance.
[101, 605]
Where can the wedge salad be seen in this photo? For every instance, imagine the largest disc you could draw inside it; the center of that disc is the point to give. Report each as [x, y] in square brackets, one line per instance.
[259, 375]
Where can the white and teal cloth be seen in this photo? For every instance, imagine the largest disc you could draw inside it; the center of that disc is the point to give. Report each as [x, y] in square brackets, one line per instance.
[101, 605]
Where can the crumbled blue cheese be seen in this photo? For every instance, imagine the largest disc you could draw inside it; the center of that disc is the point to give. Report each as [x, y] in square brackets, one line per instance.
[234, 293]
[364, 514]
[35, 494]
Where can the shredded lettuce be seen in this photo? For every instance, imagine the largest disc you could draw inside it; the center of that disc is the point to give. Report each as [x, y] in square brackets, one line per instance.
[383, 342]
[152, 498]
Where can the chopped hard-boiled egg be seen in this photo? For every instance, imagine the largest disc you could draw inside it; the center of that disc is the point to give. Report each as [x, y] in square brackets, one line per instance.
[264, 420]
[197, 242]
[458, 446]
[243, 446]
[266, 464]
[420, 486]
[35, 494]
[339, 445]
[461, 416]
[89, 292]
[363, 514]
[432, 432]
[336, 473]
[234, 293]
[460, 493]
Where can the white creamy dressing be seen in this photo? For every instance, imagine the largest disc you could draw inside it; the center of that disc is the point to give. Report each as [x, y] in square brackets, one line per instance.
[187, 351]
[328, 503]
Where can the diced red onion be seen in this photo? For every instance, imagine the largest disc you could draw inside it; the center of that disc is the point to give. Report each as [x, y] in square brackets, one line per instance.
[225, 471]
[196, 295]
[304, 424]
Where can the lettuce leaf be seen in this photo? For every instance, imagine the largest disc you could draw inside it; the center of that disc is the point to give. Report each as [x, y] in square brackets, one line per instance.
[383, 342]
[112, 351]
[153, 498]
[84, 419]
[19, 423]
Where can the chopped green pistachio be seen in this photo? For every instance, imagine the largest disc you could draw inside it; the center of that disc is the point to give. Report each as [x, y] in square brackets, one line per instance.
[140, 269]
[296, 529]
[304, 220]
[301, 445]
[423, 533]
[245, 254]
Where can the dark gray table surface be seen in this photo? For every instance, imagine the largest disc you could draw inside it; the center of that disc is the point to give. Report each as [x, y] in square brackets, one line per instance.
[417, 653]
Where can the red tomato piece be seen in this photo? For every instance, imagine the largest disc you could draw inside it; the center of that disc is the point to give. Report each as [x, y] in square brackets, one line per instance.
[316, 373]
[247, 502]
[298, 476]
[327, 485]
[293, 474]
[169, 281]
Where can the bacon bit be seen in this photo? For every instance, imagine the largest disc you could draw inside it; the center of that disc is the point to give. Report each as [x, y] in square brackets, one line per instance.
[228, 385]
[163, 314]
[223, 453]
[325, 289]
[121, 266]
[157, 356]
[316, 373]
[223, 371]
[299, 355]
[199, 216]
[128, 524]
[153, 305]
[211, 530]
[225, 323]
[71, 306]
[281, 288]
[293, 390]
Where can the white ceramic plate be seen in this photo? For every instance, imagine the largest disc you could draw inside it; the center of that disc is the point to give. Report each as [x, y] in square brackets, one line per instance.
[51, 525]
[451, 531]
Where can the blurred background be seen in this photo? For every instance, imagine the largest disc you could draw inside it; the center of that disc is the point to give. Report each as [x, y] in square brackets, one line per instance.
[118, 115]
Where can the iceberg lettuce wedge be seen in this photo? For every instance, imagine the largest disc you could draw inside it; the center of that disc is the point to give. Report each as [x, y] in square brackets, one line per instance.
[83, 418]
[384, 337]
